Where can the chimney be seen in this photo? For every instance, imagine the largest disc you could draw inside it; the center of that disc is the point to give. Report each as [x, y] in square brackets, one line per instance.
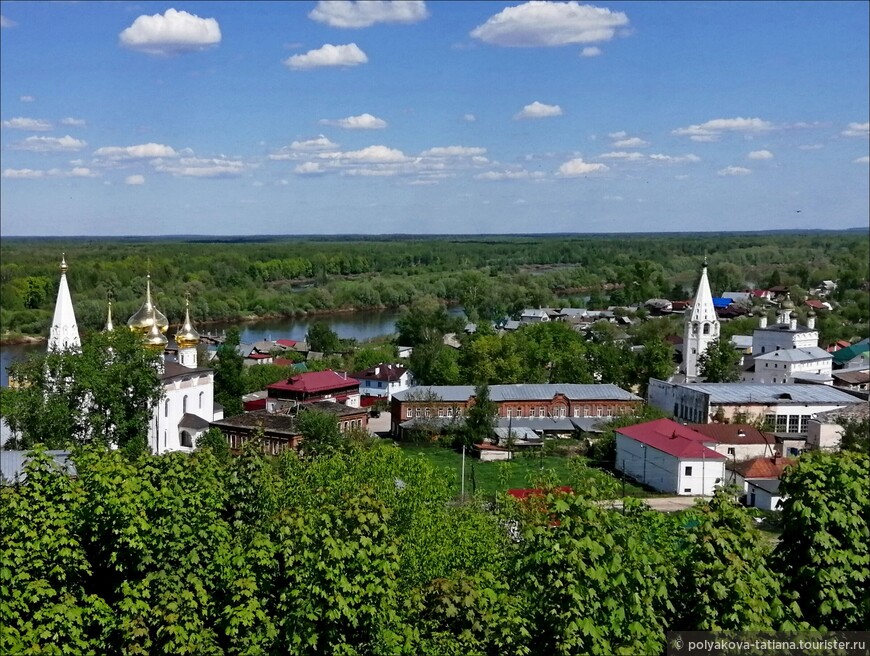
[762, 320]
[811, 320]
[378, 370]
[741, 432]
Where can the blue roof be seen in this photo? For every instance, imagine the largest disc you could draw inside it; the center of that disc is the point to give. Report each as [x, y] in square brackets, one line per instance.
[719, 302]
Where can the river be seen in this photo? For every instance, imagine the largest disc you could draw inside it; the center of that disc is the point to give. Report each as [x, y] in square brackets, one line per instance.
[348, 325]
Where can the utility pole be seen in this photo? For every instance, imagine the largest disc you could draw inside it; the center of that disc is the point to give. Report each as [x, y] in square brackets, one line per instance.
[462, 484]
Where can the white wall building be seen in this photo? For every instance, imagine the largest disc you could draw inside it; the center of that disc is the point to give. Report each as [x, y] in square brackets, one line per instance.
[825, 430]
[669, 457]
[702, 327]
[383, 380]
[807, 364]
[786, 333]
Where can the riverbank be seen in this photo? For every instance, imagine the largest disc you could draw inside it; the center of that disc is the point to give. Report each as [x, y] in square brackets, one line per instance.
[16, 338]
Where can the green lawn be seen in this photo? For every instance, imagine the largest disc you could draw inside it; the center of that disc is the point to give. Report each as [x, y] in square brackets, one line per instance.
[493, 477]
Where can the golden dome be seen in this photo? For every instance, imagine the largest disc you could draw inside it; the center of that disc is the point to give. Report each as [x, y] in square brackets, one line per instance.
[155, 339]
[109, 325]
[787, 304]
[147, 314]
[187, 337]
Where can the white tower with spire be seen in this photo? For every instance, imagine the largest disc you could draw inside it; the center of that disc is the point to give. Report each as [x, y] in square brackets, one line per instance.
[64, 333]
[702, 327]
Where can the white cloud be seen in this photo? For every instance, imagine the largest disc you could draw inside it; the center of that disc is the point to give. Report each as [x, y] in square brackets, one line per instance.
[134, 180]
[198, 167]
[27, 99]
[367, 172]
[857, 130]
[317, 144]
[577, 167]
[173, 32]
[675, 159]
[370, 154]
[861, 160]
[469, 118]
[22, 174]
[621, 154]
[309, 168]
[32, 124]
[7, 22]
[712, 130]
[80, 172]
[454, 151]
[361, 122]
[539, 110]
[622, 134]
[590, 51]
[73, 122]
[328, 55]
[50, 144]
[522, 174]
[734, 170]
[535, 24]
[141, 151]
[760, 154]
[342, 13]
[633, 142]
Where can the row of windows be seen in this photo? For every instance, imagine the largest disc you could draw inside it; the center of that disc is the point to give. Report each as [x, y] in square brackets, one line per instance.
[353, 423]
[788, 423]
[271, 446]
[183, 404]
[585, 411]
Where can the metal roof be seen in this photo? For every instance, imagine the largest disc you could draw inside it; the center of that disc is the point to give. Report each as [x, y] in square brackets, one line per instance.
[521, 392]
[12, 464]
[785, 393]
[807, 354]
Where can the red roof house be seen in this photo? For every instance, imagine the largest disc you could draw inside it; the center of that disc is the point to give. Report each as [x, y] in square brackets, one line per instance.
[313, 386]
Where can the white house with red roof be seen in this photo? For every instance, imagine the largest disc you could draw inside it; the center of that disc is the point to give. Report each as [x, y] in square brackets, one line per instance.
[383, 380]
[670, 457]
[312, 386]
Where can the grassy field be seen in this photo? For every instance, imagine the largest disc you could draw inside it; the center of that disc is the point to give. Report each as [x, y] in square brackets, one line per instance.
[493, 477]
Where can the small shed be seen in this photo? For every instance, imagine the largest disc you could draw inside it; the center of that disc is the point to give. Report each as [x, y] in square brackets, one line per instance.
[763, 494]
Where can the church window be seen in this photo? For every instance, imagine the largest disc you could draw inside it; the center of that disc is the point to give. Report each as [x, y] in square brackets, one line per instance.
[694, 329]
[184, 404]
[706, 328]
[200, 399]
[166, 408]
[186, 439]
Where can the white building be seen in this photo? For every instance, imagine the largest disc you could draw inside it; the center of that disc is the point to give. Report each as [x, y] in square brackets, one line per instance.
[64, 333]
[825, 430]
[383, 380]
[763, 494]
[809, 364]
[784, 408]
[702, 327]
[669, 457]
[786, 333]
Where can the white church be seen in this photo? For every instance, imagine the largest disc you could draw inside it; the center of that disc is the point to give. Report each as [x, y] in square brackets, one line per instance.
[186, 407]
[702, 328]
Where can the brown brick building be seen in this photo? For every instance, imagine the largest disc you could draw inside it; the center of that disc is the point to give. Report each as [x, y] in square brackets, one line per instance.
[551, 400]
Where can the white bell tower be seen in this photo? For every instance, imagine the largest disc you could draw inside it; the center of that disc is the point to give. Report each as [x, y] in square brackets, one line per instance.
[702, 327]
[64, 333]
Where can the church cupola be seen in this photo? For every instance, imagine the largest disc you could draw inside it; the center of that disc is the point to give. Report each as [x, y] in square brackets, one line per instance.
[110, 326]
[64, 333]
[187, 339]
[147, 315]
[785, 310]
[811, 319]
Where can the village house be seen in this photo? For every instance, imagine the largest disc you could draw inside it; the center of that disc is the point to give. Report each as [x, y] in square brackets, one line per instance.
[311, 386]
[758, 479]
[518, 401]
[382, 381]
[670, 457]
[278, 430]
[825, 430]
[738, 441]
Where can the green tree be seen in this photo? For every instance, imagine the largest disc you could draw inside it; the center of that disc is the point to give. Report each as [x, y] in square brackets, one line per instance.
[855, 435]
[213, 440]
[480, 417]
[725, 582]
[656, 360]
[824, 551]
[322, 338]
[229, 382]
[719, 363]
[320, 433]
[104, 394]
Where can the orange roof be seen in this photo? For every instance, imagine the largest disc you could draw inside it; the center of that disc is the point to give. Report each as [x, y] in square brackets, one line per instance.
[762, 467]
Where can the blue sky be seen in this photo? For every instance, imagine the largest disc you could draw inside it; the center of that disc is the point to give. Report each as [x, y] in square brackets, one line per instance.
[233, 118]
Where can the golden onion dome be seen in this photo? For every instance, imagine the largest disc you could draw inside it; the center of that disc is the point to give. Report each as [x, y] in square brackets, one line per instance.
[187, 336]
[155, 339]
[811, 313]
[109, 325]
[141, 321]
[787, 303]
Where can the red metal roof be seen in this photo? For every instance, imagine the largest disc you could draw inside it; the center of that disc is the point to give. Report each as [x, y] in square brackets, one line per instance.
[313, 382]
[388, 372]
[286, 342]
[258, 356]
[734, 433]
[672, 438]
[762, 467]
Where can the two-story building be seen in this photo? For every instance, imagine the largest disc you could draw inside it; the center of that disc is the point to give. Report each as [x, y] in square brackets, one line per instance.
[310, 386]
[382, 381]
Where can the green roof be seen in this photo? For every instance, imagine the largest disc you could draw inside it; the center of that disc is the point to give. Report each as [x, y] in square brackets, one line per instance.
[846, 354]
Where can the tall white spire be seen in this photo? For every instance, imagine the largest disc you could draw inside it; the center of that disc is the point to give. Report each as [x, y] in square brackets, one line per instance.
[64, 332]
[702, 327]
